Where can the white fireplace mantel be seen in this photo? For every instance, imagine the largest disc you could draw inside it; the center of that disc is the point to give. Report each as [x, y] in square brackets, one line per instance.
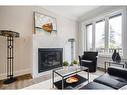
[40, 41]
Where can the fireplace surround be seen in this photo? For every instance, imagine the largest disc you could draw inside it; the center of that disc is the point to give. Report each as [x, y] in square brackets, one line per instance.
[49, 58]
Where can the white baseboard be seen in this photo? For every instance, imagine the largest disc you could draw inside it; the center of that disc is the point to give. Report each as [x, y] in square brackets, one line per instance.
[16, 73]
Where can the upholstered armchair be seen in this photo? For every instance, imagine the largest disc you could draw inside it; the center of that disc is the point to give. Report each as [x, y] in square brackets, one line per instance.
[89, 59]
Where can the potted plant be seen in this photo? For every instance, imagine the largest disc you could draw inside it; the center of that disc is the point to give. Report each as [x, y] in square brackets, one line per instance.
[65, 63]
[74, 63]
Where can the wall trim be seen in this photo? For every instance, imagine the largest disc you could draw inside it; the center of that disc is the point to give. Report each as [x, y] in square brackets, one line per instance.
[16, 73]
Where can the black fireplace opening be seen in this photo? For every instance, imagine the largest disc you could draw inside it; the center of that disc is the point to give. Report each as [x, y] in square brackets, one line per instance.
[49, 58]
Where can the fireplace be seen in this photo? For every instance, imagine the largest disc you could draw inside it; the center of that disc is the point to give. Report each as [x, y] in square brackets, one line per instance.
[49, 58]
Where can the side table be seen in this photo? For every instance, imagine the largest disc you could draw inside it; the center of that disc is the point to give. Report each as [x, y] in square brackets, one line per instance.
[122, 63]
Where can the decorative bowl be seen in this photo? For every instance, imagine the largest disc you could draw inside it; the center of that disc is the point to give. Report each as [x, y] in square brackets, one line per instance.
[72, 79]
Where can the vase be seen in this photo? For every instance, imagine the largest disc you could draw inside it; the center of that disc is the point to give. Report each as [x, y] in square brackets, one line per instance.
[114, 55]
[118, 58]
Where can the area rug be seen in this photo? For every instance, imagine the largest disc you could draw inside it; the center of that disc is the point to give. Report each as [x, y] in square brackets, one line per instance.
[47, 85]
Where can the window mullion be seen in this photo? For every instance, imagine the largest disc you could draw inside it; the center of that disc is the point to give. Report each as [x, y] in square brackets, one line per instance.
[85, 35]
[106, 33]
[93, 36]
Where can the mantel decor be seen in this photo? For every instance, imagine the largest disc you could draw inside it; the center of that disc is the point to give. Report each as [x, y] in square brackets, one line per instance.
[44, 23]
[10, 35]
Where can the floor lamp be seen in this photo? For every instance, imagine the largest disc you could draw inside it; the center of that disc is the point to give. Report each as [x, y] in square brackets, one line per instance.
[10, 35]
[72, 40]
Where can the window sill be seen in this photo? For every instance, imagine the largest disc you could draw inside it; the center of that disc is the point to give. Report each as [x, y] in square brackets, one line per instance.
[105, 55]
[109, 55]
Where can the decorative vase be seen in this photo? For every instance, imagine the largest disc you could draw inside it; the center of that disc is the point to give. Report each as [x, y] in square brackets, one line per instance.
[65, 68]
[114, 55]
[118, 58]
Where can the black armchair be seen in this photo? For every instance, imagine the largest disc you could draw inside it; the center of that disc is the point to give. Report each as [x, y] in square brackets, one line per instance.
[89, 59]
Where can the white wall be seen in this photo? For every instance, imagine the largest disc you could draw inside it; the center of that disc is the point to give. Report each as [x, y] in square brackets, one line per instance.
[66, 29]
[20, 19]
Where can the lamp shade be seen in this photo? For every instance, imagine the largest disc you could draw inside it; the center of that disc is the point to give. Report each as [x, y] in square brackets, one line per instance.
[71, 40]
[8, 33]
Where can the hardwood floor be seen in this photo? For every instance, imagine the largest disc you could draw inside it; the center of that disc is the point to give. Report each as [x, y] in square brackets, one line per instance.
[26, 80]
[23, 81]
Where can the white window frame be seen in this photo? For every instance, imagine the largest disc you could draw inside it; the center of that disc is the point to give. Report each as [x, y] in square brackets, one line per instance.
[106, 18]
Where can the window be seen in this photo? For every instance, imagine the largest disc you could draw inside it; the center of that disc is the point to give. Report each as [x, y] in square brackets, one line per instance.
[100, 35]
[115, 32]
[89, 36]
[105, 35]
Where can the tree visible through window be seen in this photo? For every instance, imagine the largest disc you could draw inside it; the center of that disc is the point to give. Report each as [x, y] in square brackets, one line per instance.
[115, 32]
[107, 36]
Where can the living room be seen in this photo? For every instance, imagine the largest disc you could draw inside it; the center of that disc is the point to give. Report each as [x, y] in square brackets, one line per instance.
[74, 30]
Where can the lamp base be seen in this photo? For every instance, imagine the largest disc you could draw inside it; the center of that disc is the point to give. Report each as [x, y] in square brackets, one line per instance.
[10, 80]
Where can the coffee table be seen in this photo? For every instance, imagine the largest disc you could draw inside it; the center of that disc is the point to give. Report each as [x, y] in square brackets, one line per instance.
[65, 73]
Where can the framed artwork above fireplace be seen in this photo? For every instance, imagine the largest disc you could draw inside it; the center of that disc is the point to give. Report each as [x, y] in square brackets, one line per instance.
[44, 23]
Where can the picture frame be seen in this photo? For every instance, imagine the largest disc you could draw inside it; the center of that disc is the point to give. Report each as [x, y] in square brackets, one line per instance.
[44, 23]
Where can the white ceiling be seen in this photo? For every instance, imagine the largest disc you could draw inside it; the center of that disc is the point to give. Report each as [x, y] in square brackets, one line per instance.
[72, 12]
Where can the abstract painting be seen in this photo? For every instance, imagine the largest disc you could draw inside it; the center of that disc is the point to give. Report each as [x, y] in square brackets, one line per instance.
[45, 23]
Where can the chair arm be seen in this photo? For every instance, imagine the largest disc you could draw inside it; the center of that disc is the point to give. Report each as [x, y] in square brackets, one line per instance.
[117, 71]
[87, 61]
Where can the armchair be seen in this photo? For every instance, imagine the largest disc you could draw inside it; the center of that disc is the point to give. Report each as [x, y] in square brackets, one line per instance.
[89, 59]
